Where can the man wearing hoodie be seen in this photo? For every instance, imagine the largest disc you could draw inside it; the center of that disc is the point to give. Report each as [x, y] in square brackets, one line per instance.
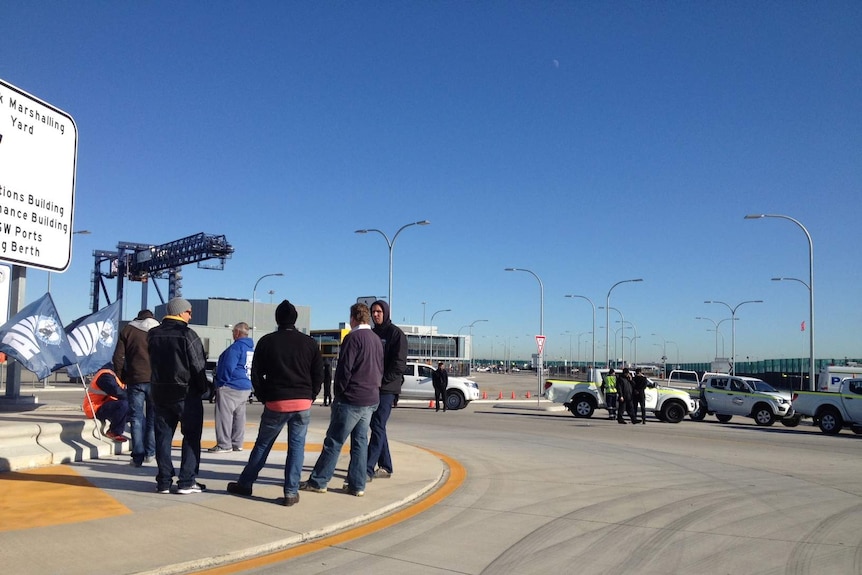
[287, 373]
[132, 365]
[394, 364]
[233, 386]
[178, 364]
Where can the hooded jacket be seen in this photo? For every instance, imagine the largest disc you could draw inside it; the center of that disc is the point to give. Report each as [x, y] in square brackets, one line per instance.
[394, 351]
[234, 365]
[131, 358]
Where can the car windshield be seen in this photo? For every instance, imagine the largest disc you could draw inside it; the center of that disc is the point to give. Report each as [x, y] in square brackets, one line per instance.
[762, 386]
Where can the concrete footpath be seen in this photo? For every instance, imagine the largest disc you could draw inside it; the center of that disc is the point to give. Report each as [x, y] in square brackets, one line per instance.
[99, 514]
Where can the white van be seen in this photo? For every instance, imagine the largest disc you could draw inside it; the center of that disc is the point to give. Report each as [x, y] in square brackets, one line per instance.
[831, 376]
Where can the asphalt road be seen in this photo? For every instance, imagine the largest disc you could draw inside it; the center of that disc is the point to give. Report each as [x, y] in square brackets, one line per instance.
[548, 493]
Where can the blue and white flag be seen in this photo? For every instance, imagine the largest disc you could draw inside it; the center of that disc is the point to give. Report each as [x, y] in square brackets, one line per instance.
[35, 338]
[94, 337]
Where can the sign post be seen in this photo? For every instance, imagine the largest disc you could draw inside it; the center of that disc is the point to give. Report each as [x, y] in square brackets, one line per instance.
[540, 361]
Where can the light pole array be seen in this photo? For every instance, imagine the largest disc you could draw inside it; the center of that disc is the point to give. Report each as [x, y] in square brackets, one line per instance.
[810, 285]
[541, 362]
[430, 337]
[594, 326]
[254, 296]
[391, 244]
[733, 328]
[608, 319]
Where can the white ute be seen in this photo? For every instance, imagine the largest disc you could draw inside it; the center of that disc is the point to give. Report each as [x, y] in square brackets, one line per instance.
[583, 398]
[418, 385]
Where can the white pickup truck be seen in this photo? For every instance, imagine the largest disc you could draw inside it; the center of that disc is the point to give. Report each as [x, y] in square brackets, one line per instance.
[583, 398]
[418, 385]
[833, 411]
[725, 395]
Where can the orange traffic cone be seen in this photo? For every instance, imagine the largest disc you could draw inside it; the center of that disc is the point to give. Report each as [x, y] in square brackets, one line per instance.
[430, 403]
[528, 395]
[501, 395]
[484, 395]
[513, 395]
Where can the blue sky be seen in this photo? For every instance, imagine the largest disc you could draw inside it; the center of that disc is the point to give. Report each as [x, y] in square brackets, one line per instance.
[590, 142]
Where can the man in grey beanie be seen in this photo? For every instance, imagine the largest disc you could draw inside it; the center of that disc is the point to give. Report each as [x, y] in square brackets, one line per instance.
[178, 380]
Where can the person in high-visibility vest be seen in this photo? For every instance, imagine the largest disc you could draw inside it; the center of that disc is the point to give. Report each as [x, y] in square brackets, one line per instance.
[609, 388]
[106, 400]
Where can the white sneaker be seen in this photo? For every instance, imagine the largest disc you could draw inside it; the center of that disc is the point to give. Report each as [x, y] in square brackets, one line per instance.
[196, 488]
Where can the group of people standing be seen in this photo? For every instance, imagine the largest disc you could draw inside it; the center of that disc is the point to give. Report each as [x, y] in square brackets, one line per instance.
[625, 393]
[164, 369]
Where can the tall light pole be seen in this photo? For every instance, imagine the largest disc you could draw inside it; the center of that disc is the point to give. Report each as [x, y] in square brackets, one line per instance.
[430, 337]
[254, 296]
[714, 323]
[594, 325]
[541, 362]
[634, 339]
[391, 244]
[608, 319]
[471, 341]
[733, 328]
[811, 366]
[622, 321]
[810, 373]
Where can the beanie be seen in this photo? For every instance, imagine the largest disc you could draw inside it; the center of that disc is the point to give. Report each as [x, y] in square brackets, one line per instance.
[285, 313]
[178, 305]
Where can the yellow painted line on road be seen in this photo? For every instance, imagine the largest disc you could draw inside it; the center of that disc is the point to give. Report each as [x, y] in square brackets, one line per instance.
[457, 474]
[49, 496]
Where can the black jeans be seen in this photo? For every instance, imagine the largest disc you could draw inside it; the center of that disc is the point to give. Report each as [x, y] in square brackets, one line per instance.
[440, 396]
[189, 414]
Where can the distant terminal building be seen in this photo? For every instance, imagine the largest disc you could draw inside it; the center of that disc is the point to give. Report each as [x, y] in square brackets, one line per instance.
[213, 320]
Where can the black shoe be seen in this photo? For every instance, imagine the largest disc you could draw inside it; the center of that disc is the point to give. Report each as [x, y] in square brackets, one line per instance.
[622, 421]
[238, 489]
[288, 500]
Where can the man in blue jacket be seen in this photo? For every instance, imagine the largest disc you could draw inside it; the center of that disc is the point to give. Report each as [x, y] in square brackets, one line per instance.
[233, 387]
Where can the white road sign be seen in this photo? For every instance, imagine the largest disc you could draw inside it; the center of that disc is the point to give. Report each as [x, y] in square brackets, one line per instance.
[38, 154]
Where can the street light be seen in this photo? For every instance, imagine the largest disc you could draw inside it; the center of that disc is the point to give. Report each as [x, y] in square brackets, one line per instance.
[608, 319]
[253, 296]
[391, 244]
[622, 321]
[594, 325]
[714, 323]
[810, 285]
[733, 328]
[541, 361]
[431, 338]
[471, 340]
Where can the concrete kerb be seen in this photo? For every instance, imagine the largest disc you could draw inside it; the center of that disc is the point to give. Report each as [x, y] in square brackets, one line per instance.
[61, 435]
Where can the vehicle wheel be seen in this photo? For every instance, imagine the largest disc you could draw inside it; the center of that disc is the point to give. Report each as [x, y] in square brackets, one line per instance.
[791, 421]
[830, 421]
[763, 415]
[455, 400]
[582, 406]
[700, 413]
[723, 417]
[673, 412]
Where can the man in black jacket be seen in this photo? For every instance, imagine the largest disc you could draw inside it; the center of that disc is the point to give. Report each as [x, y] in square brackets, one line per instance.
[286, 372]
[178, 380]
[394, 364]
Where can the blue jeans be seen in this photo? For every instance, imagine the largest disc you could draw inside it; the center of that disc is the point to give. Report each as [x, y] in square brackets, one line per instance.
[189, 413]
[271, 424]
[345, 421]
[378, 448]
[142, 421]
